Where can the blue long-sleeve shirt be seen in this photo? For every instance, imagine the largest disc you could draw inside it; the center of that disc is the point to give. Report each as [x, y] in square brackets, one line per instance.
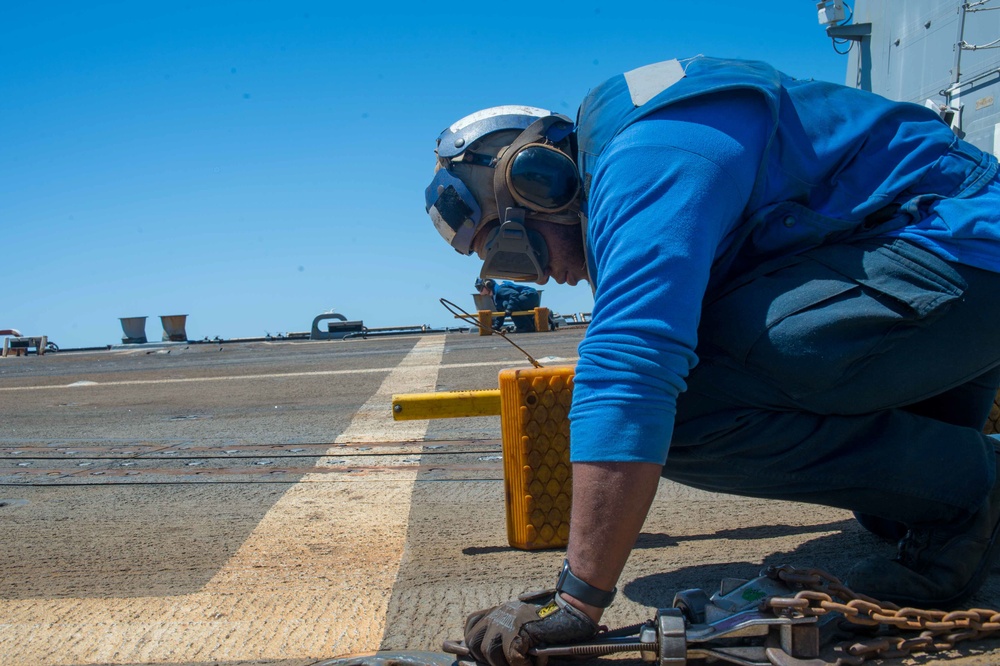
[671, 198]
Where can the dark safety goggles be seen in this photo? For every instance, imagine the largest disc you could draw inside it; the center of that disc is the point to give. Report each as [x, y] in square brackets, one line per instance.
[453, 210]
[514, 252]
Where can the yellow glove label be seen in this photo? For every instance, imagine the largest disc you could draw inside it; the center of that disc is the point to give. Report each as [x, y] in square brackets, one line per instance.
[545, 611]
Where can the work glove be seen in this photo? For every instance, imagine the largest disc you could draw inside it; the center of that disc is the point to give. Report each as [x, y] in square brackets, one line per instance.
[508, 313]
[502, 635]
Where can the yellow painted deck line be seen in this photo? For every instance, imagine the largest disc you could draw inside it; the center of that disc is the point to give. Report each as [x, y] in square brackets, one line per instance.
[275, 375]
[313, 579]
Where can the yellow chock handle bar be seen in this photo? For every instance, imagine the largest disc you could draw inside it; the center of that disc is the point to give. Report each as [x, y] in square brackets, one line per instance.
[533, 405]
[445, 405]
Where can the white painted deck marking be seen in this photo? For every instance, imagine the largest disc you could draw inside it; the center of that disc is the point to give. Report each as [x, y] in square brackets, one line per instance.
[84, 384]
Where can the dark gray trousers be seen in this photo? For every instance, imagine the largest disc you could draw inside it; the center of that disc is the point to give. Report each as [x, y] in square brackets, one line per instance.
[853, 375]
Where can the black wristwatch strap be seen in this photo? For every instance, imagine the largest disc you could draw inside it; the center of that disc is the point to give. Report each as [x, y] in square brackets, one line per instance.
[583, 591]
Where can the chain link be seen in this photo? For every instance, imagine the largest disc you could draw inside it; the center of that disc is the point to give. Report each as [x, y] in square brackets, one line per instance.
[823, 593]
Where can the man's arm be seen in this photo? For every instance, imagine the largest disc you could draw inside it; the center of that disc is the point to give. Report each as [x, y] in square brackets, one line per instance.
[610, 502]
[663, 199]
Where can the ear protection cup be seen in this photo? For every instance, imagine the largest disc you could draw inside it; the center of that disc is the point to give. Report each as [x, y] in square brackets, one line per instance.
[542, 178]
[536, 174]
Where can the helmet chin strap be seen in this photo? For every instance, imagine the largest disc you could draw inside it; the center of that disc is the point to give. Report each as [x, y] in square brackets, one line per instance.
[584, 223]
[566, 217]
[515, 252]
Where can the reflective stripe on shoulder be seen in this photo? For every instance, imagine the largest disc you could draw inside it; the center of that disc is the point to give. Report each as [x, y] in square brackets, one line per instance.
[647, 82]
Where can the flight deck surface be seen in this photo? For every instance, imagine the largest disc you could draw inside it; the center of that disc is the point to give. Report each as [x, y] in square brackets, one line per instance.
[255, 503]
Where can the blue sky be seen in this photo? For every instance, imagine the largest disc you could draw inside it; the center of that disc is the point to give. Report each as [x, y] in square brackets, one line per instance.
[254, 164]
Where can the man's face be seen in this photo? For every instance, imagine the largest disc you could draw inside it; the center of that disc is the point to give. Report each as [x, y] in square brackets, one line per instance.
[567, 262]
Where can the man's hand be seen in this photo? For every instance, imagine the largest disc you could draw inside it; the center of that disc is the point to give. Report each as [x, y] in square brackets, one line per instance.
[502, 636]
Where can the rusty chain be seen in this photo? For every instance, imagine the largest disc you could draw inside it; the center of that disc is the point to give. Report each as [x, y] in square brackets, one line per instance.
[823, 593]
